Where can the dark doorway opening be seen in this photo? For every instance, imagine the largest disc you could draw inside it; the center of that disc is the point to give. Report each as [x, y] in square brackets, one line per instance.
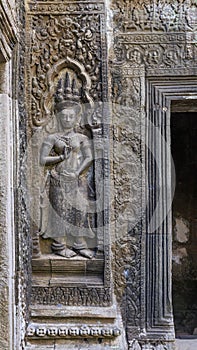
[184, 266]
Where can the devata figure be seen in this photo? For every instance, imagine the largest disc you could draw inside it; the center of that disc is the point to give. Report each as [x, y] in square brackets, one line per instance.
[68, 155]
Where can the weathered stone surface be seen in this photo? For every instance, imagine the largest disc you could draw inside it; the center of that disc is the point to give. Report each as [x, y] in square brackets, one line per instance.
[152, 56]
[179, 254]
[72, 345]
[143, 47]
[186, 344]
[6, 223]
[4, 261]
[181, 230]
[8, 39]
[8, 29]
[75, 60]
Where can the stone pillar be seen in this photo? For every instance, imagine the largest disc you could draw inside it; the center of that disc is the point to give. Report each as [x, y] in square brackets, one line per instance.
[7, 236]
[6, 213]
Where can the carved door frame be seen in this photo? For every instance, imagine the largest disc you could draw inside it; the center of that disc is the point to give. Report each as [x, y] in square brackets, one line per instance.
[158, 314]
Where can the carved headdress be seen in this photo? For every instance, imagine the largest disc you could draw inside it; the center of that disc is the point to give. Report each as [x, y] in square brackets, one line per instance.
[67, 94]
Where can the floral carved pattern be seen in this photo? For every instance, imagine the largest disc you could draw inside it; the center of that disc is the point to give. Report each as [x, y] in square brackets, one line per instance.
[127, 194]
[59, 38]
[127, 277]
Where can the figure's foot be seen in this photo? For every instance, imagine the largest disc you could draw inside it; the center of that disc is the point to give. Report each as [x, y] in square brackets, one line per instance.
[62, 250]
[87, 253]
[66, 253]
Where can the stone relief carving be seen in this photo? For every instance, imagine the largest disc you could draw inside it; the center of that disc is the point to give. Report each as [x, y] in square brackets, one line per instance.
[22, 221]
[125, 175]
[68, 332]
[127, 277]
[126, 91]
[156, 38]
[127, 142]
[69, 156]
[155, 55]
[146, 345]
[154, 16]
[68, 38]
[136, 56]
[71, 296]
[127, 114]
[59, 7]
[67, 51]
[153, 34]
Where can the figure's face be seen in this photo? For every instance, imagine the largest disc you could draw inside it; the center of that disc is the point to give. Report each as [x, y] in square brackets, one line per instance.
[67, 118]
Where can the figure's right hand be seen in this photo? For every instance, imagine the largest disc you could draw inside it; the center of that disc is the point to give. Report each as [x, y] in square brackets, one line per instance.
[62, 157]
[66, 152]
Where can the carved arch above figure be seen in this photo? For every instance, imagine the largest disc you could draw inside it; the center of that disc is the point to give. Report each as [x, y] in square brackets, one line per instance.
[55, 73]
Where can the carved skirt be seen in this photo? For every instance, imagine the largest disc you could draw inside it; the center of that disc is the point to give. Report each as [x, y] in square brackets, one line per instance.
[68, 210]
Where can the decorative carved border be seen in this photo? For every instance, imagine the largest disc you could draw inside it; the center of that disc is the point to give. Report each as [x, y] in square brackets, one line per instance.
[156, 38]
[128, 82]
[22, 220]
[71, 7]
[158, 51]
[60, 331]
[70, 296]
